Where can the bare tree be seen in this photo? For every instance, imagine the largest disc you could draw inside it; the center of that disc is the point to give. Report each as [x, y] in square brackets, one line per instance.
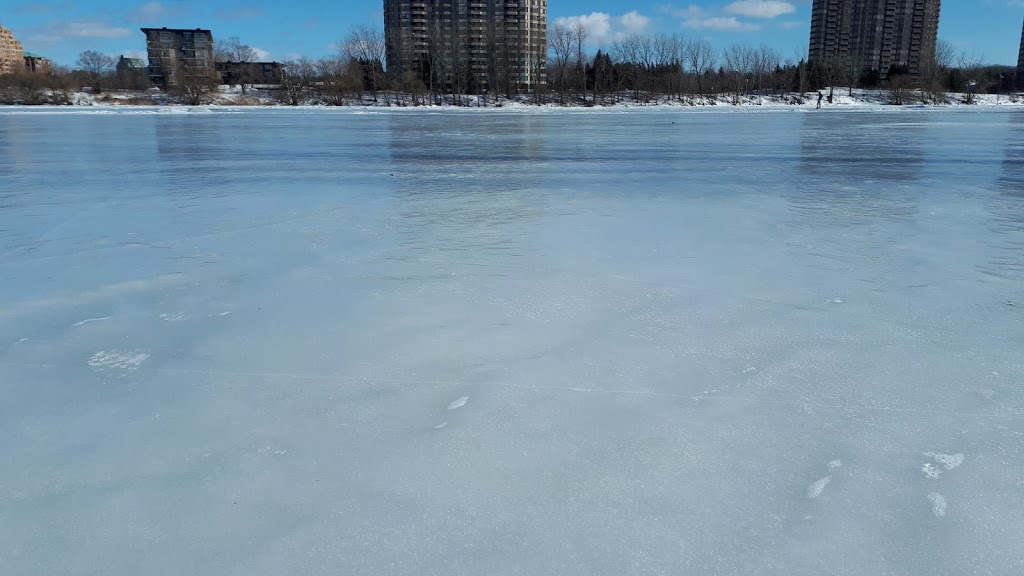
[63, 85]
[297, 83]
[625, 51]
[945, 54]
[900, 85]
[700, 55]
[580, 33]
[365, 44]
[849, 69]
[934, 67]
[831, 71]
[764, 61]
[339, 80]
[97, 65]
[800, 56]
[195, 87]
[668, 51]
[233, 50]
[237, 59]
[561, 46]
[968, 64]
[740, 61]
[497, 60]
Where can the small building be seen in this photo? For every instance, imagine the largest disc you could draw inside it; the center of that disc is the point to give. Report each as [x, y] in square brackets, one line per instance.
[233, 73]
[130, 64]
[176, 55]
[11, 56]
[38, 64]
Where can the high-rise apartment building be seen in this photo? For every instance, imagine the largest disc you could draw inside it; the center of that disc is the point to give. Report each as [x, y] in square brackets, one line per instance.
[876, 34]
[1020, 61]
[12, 59]
[178, 55]
[469, 45]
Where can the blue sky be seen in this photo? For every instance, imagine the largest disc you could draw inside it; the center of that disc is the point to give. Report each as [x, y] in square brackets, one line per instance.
[286, 30]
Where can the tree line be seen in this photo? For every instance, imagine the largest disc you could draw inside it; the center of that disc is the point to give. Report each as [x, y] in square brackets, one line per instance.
[99, 73]
[641, 68]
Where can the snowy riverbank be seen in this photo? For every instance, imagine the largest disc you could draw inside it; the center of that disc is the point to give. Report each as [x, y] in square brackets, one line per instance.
[231, 97]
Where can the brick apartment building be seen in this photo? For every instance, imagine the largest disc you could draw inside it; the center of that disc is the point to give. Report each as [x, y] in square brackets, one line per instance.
[177, 55]
[12, 59]
[876, 33]
[469, 44]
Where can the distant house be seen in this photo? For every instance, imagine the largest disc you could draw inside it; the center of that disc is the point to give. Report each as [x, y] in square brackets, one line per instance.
[38, 64]
[130, 64]
[177, 55]
[232, 73]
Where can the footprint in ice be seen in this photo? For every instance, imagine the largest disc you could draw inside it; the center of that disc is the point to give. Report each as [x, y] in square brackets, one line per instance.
[947, 461]
[938, 504]
[458, 403]
[815, 490]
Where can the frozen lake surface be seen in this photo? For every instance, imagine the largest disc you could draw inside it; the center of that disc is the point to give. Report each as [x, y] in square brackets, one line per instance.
[462, 343]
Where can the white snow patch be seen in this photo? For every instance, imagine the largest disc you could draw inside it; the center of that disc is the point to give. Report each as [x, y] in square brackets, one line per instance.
[948, 461]
[458, 403]
[835, 464]
[815, 490]
[938, 504]
[931, 471]
[118, 359]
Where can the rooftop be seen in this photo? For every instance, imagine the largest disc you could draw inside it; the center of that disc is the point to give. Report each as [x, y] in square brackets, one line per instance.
[175, 29]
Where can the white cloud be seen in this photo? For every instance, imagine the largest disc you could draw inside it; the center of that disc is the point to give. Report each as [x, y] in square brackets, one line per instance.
[260, 54]
[96, 29]
[149, 12]
[603, 27]
[689, 13]
[598, 24]
[760, 8]
[726, 23]
[633, 22]
[58, 32]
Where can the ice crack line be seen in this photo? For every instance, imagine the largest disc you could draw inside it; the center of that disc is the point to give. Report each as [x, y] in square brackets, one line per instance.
[88, 320]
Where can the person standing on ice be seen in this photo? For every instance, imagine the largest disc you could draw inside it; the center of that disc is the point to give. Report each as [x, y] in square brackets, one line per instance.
[820, 96]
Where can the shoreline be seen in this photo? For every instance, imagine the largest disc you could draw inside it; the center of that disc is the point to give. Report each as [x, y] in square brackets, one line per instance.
[229, 100]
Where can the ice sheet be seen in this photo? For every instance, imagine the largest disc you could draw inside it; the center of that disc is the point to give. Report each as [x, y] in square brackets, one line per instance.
[276, 341]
